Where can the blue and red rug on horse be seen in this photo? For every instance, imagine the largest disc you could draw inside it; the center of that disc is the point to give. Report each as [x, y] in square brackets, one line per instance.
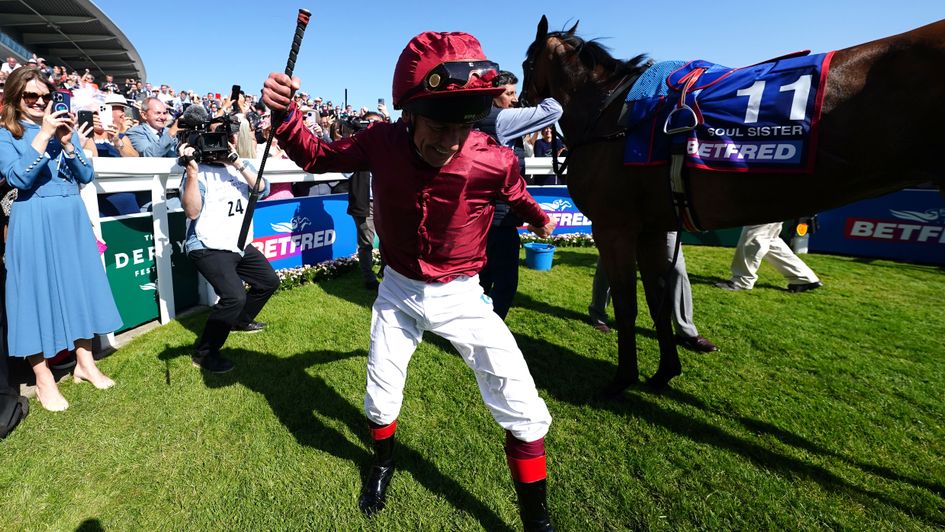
[760, 118]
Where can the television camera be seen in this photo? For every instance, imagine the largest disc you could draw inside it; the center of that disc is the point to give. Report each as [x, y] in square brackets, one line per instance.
[209, 137]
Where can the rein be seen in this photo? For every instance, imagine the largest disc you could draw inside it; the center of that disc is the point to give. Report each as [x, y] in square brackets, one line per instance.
[620, 90]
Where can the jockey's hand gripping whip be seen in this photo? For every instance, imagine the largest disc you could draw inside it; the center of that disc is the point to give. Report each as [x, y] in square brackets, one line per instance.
[276, 119]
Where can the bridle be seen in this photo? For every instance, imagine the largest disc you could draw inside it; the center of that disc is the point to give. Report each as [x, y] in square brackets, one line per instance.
[620, 90]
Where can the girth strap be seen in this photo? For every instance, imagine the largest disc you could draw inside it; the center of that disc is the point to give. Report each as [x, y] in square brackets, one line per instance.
[678, 179]
[679, 185]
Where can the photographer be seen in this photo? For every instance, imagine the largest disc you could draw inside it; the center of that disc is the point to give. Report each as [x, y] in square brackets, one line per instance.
[214, 193]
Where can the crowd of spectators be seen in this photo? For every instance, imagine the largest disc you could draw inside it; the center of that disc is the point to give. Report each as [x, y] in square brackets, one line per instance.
[137, 125]
[329, 120]
[141, 110]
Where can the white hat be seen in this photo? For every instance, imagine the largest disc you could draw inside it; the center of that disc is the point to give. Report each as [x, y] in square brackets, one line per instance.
[115, 99]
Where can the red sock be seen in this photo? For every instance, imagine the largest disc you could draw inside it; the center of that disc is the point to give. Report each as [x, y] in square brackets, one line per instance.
[382, 432]
[526, 459]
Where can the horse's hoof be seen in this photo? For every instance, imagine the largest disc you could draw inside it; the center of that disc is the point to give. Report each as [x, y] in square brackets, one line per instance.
[659, 382]
[615, 389]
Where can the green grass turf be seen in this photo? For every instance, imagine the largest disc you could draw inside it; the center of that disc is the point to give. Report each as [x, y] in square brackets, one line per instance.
[822, 410]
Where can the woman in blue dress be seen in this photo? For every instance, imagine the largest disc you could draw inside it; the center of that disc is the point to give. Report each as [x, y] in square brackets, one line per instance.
[57, 293]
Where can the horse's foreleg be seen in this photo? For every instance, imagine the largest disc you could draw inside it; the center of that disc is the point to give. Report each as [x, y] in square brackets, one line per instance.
[618, 254]
[655, 259]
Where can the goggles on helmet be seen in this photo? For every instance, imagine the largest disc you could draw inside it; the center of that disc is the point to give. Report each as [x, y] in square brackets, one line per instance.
[446, 76]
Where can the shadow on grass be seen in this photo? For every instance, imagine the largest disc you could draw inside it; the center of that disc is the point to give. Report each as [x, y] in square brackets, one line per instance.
[567, 256]
[711, 280]
[896, 265]
[90, 525]
[763, 427]
[350, 287]
[299, 399]
[554, 367]
[526, 302]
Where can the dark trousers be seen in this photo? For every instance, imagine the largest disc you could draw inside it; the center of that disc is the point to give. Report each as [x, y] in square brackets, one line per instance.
[226, 271]
[366, 232]
[499, 277]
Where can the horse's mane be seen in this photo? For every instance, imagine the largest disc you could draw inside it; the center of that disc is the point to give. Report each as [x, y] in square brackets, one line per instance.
[593, 54]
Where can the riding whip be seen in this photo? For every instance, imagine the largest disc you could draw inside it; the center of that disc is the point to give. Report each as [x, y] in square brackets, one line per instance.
[276, 119]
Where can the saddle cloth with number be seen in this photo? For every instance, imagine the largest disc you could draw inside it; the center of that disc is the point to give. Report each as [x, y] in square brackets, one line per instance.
[760, 118]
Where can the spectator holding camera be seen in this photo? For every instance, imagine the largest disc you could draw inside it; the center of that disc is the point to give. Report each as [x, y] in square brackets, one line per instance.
[254, 116]
[110, 133]
[138, 93]
[111, 141]
[214, 193]
[110, 86]
[57, 294]
[154, 138]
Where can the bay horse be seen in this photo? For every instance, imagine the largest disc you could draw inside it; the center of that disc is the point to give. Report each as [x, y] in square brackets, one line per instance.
[879, 131]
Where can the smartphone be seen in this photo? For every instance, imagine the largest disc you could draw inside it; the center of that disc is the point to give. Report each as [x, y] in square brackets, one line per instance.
[85, 117]
[380, 101]
[217, 96]
[105, 115]
[62, 101]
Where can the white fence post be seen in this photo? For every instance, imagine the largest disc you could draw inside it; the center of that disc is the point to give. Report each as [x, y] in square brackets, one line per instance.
[163, 248]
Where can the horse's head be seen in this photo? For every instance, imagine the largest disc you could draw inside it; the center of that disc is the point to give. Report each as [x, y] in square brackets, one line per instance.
[559, 64]
[538, 65]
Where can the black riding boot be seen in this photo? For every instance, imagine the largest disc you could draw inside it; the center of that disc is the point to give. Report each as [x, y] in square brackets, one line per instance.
[532, 505]
[374, 492]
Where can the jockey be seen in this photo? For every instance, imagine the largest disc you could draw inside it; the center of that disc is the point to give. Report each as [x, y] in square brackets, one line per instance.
[435, 185]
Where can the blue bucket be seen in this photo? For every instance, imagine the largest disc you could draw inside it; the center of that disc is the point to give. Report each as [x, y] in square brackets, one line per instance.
[539, 256]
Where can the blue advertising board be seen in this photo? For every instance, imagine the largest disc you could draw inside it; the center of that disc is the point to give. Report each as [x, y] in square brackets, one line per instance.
[556, 201]
[907, 225]
[306, 230]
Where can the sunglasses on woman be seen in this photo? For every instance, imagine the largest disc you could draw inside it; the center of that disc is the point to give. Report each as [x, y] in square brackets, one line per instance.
[31, 97]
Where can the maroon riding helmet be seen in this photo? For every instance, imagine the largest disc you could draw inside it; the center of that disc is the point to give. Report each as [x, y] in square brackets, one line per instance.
[446, 77]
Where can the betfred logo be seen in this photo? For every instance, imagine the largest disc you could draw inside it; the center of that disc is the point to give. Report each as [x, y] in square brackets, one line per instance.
[293, 240]
[894, 231]
[556, 210]
[277, 247]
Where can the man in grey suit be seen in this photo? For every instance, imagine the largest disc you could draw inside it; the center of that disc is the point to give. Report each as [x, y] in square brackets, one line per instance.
[154, 138]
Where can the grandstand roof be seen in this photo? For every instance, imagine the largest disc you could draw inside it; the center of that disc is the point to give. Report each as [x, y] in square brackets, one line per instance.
[74, 33]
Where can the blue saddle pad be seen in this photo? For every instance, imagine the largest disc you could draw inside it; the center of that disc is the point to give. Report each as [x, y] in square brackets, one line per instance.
[758, 118]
